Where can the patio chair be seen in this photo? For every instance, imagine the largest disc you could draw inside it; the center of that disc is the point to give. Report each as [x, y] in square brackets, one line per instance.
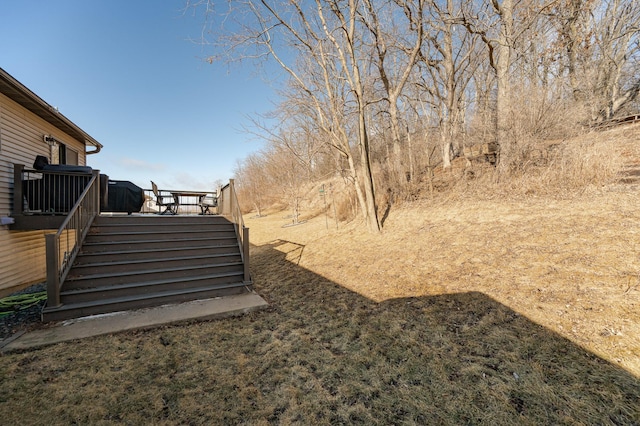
[169, 207]
[208, 202]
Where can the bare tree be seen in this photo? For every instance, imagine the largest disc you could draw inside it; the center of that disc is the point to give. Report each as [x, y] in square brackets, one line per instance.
[501, 65]
[493, 21]
[287, 176]
[617, 46]
[367, 79]
[397, 33]
[318, 45]
[295, 131]
[451, 66]
[254, 182]
[501, 24]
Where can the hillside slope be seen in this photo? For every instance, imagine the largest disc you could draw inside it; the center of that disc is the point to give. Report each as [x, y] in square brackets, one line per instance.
[568, 260]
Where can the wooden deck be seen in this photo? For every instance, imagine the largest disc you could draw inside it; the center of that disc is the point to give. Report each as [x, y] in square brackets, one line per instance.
[139, 261]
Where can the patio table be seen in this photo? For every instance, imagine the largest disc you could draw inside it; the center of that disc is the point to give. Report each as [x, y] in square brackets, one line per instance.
[191, 198]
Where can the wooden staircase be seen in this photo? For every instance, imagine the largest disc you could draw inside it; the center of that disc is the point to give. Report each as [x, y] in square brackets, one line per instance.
[133, 262]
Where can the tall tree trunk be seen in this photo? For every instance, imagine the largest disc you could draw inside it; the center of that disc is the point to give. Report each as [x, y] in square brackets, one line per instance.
[573, 44]
[398, 166]
[394, 77]
[371, 209]
[502, 64]
[356, 83]
[412, 166]
[448, 126]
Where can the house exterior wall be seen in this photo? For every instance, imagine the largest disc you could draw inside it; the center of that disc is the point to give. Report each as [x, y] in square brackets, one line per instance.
[22, 253]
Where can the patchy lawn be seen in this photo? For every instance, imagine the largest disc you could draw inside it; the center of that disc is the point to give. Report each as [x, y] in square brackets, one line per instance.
[494, 312]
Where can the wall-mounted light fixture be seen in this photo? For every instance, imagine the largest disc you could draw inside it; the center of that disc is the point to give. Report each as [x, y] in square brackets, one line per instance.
[50, 140]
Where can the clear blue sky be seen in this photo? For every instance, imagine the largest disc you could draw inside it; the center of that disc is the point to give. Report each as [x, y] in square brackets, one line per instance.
[126, 73]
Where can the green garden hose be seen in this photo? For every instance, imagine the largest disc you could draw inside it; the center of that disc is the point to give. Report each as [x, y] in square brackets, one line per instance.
[18, 302]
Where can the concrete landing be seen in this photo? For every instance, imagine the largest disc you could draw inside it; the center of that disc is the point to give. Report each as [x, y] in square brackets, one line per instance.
[80, 328]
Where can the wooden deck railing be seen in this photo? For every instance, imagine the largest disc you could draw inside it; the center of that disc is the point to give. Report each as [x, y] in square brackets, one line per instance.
[63, 245]
[228, 206]
[46, 192]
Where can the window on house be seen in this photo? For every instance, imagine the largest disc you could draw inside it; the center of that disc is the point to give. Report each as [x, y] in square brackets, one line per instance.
[62, 154]
[71, 157]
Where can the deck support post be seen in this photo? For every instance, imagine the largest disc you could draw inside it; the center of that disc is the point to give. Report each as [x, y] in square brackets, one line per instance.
[53, 277]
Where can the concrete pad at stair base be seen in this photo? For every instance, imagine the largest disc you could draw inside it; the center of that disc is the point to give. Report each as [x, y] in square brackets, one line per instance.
[133, 320]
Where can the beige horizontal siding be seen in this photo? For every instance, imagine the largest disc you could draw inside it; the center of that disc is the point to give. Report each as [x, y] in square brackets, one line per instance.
[22, 258]
[22, 253]
[22, 134]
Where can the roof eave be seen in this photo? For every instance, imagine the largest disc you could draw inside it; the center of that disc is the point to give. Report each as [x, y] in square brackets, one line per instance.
[20, 94]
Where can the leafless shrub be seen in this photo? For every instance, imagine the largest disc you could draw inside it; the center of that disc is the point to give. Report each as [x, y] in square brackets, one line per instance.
[583, 163]
[538, 116]
[560, 170]
[345, 207]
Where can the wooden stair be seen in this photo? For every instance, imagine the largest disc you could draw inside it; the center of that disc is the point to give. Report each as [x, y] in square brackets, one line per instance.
[133, 262]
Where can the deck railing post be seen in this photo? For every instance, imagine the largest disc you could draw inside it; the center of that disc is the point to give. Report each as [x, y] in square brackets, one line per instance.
[232, 201]
[95, 208]
[245, 250]
[53, 275]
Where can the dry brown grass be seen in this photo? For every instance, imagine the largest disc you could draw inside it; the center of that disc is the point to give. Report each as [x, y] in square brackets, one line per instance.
[569, 265]
[505, 310]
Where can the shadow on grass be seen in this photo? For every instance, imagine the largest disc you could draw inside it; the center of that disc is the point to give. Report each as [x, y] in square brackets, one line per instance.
[324, 355]
[449, 359]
